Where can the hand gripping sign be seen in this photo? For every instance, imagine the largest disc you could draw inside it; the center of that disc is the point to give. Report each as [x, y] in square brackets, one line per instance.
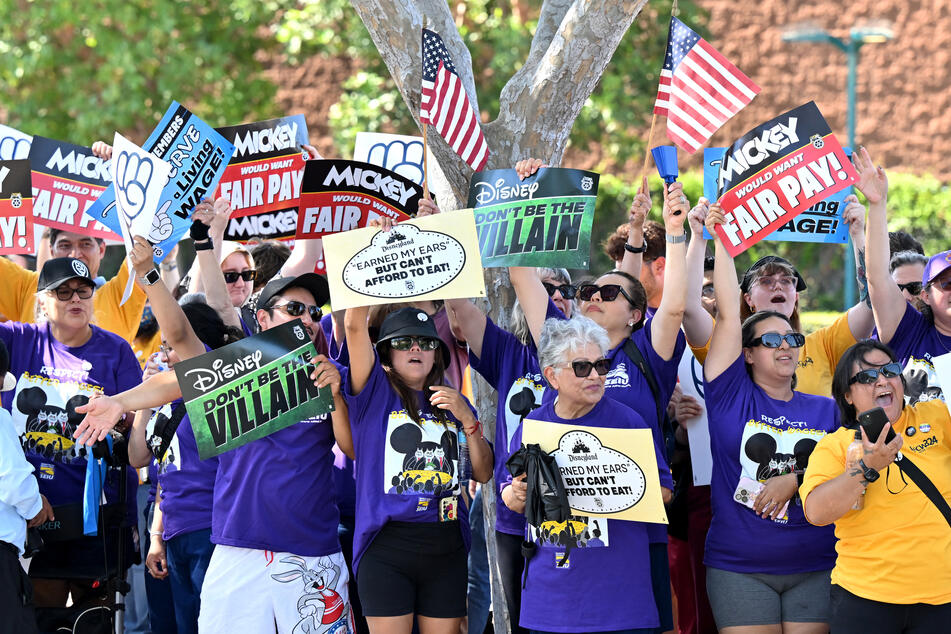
[775, 172]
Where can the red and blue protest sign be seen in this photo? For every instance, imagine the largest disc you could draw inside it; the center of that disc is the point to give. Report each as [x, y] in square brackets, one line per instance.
[776, 171]
[16, 207]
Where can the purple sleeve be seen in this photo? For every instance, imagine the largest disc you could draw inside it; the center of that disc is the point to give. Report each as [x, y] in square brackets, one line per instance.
[908, 334]
[553, 312]
[370, 399]
[665, 371]
[128, 370]
[493, 351]
[517, 443]
[733, 385]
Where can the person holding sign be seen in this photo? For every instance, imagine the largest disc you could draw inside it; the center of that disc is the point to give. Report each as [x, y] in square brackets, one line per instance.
[767, 566]
[891, 573]
[411, 436]
[589, 574]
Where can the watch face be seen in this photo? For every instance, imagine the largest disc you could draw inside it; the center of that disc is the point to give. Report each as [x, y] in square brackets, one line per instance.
[152, 277]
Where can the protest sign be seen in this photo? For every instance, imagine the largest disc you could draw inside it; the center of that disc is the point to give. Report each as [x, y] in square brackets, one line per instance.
[776, 171]
[820, 223]
[67, 179]
[544, 220]
[263, 179]
[13, 144]
[690, 377]
[398, 153]
[198, 156]
[607, 472]
[343, 195]
[16, 207]
[251, 388]
[434, 257]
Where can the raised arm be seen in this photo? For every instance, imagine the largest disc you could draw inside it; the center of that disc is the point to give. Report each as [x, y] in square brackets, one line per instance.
[139, 454]
[532, 296]
[698, 324]
[212, 279]
[326, 374]
[640, 207]
[665, 326]
[102, 413]
[861, 320]
[359, 346]
[470, 321]
[303, 258]
[888, 303]
[725, 344]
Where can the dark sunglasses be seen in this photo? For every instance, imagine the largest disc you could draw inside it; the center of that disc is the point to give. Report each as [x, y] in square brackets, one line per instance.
[943, 283]
[775, 340]
[583, 368]
[232, 276]
[65, 293]
[567, 290]
[608, 292]
[406, 343]
[913, 288]
[296, 309]
[869, 376]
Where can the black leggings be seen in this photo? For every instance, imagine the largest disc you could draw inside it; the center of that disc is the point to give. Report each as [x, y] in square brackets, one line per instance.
[852, 614]
[511, 565]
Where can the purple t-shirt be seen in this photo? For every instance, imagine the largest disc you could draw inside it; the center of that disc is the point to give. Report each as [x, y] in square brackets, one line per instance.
[344, 484]
[276, 493]
[606, 585]
[511, 368]
[915, 342]
[187, 482]
[52, 380]
[757, 437]
[403, 469]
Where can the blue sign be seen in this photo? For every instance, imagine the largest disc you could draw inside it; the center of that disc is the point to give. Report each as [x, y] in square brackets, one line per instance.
[198, 155]
[820, 223]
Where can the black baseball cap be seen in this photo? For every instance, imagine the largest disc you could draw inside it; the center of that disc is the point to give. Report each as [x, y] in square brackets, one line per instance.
[316, 284]
[770, 259]
[411, 322]
[59, 270]
[9, 381]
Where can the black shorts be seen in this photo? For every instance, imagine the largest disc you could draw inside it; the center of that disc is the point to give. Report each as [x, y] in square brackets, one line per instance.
[415, 568]
[853, 614]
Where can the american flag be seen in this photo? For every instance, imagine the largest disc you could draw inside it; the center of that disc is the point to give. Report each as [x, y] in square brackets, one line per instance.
[699, 88]
[445, 104]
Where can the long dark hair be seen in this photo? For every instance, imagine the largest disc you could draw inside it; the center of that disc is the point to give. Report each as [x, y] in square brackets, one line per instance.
[843, 374]
[749, 333]
[636, 290]
[407, 394]
[208, 326]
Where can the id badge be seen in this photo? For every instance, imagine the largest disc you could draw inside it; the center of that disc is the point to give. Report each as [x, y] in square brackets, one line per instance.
[449, 509]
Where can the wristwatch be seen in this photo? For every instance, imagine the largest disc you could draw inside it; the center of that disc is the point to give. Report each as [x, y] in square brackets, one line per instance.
[870, 474]
[639, 249]
[150, 278]
[676, 239]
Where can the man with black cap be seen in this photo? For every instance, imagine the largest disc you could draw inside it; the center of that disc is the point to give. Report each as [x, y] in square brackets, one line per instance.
[284, 299]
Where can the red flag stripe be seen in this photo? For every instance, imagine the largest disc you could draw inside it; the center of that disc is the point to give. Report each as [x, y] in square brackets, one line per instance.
[726, 68]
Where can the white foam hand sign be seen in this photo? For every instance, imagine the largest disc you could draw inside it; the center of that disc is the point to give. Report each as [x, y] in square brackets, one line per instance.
[161, 225]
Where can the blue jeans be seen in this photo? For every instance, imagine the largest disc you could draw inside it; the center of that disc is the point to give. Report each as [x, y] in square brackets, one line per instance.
[158, 591]
[188, 557]
[479, 599]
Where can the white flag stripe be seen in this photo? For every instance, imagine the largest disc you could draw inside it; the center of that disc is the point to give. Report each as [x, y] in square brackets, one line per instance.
[734, 76]
[697, 68]
[701, 91]
[699, 109]
[681, 135]
[685, 115]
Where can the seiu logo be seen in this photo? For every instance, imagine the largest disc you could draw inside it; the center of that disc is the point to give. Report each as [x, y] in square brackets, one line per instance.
[927, 443]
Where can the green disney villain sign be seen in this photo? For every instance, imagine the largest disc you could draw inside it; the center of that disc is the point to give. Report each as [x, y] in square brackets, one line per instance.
[251, 388]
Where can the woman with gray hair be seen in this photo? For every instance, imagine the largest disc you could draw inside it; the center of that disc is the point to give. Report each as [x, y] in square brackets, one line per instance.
[608, 558]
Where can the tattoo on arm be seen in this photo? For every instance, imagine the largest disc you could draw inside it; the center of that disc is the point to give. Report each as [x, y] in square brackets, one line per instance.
[861, 279]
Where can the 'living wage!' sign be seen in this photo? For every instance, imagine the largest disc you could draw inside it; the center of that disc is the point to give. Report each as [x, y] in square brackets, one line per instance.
[776, 171]
[544, 220]
[251, 388]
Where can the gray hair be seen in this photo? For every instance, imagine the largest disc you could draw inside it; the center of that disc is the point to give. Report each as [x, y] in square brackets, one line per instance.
[561, 275]
[903, 258]
[518, 325]
[560, 336]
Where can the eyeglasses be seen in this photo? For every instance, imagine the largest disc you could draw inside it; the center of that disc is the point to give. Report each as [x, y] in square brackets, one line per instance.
[65, 293]
[869, 376]
[912, 288]
[608, 292]
[582, 369]
[406, 343]
[567, 290]
[708, 291]
[784, 281]
[232, 276]
[775, 340]
[296, 309]
[944, 283]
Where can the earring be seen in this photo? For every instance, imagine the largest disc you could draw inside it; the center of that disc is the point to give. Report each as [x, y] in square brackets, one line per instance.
[630, 324]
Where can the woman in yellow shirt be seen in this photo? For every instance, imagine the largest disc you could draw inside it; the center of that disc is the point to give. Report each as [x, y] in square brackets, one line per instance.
[893, 567]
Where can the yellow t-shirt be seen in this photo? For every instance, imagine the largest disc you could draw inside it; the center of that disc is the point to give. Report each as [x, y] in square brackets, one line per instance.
[146, 348]
[18, 300]
[817, 359]
[898, 548]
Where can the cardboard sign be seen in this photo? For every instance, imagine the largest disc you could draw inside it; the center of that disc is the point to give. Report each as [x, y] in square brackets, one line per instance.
[776, 171]
[820, 223]
[398, 153]
[607, 472]
[198, 156]
[251, 388]
[67, 179]
[343, 195]
[13, 144]
[544, 220]
[16, 207]
[690, 376]
[434, 257]
[263, 179]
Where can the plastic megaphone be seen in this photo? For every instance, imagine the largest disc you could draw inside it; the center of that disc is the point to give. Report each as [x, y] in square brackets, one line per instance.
[665, 157]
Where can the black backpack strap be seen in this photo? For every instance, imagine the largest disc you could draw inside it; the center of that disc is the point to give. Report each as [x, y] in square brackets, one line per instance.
[634, 353]
[924, 483]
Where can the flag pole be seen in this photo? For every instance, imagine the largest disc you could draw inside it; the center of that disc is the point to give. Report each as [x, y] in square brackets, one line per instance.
[647, 151]
[425, 165]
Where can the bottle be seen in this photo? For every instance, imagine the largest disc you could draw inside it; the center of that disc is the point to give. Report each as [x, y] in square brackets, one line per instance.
[465, 467]
[853, 455]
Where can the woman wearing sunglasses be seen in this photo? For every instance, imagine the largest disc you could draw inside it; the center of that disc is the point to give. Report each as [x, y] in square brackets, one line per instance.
[607, 586]
[411, 534]
[767, 567]
[891, 574]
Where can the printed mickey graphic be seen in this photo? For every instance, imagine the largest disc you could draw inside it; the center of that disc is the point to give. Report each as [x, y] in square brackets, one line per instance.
[761, 449]
[427, 466]
[49, 428]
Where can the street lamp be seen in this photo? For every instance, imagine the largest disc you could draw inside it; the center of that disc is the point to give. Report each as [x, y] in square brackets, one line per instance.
[866, 33]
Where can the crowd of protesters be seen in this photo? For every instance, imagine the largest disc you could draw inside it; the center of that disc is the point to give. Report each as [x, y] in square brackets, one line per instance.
[359, 520]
